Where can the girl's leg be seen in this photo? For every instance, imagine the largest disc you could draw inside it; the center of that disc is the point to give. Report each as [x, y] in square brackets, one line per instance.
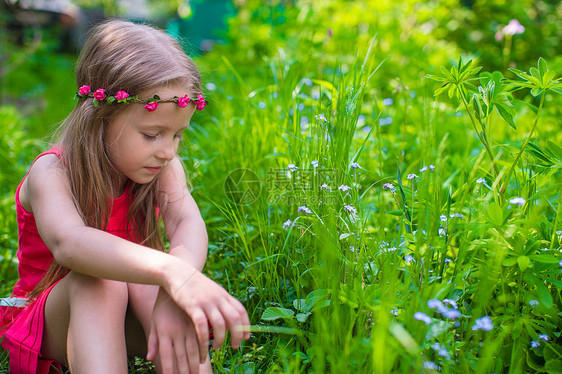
[84, 324]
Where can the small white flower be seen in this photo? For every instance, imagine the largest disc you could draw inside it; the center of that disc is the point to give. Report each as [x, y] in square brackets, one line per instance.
[321, 118]
[456, 215]
[287, 224]
[431, 168]
[355, 165]
[314, 163]
[350, 208]
[452, 303]
[292, 167]
[409, 258]
[443, 218]
[344, 188]
[442, 232]
[423, 169]
[533, 303]
[517, 201]
[411, 176]
[514, 27]
[394, 312]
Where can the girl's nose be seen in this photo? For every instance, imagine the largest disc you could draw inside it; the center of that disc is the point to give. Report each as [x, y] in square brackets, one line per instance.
[167, 151]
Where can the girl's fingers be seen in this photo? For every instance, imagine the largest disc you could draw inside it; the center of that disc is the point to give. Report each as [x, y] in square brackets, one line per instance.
[218, 324]
[245, 320]
[152, 345]
[192, 349]
[199, 320]
[182, 361]
[235, 321]
[166, 357]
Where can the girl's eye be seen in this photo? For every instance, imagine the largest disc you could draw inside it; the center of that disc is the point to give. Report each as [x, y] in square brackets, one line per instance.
[178, 136]
[149, 136]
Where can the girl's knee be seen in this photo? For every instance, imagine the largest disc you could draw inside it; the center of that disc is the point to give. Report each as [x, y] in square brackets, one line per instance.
[101, 291]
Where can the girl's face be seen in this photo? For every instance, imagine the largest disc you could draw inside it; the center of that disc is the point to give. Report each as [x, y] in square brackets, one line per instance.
[141, 143]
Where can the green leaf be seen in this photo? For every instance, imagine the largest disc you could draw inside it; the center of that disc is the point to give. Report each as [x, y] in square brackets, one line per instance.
[535, 73]
[436, 328]
[544, 259]
[506, 115]
[404, 337]
[441, 89]
[523, 262]
[543, 68]
[536, 92]
[344, 235]
[553, 367]
[544, 294]
[302, 317]
[272, 313]
[510, 261]
[95, 102]
[110, 99]
[495, 213]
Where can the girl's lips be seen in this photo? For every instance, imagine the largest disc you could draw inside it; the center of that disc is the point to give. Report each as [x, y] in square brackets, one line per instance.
[153, 170]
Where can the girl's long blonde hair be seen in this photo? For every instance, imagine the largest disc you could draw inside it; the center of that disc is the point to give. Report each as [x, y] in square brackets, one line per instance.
[117, 55]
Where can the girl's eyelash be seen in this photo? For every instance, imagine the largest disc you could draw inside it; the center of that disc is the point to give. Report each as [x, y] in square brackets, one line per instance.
[149, 137]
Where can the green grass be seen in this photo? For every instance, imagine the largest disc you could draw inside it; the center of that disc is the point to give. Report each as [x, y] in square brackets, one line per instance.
[339, 287]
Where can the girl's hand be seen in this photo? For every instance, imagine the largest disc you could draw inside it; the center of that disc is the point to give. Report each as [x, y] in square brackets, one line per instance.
[207, 303]
[173, 338]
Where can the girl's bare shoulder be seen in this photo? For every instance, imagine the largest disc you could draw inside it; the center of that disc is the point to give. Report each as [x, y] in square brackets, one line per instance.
[44, 171]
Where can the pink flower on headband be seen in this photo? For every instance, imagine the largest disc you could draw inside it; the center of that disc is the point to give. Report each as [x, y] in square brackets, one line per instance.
[121, 95]
[151, 107]
[200, 103]
[99, 94]
[183, 101]
[84, 90]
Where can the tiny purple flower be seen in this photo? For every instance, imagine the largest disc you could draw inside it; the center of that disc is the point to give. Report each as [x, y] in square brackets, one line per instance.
[483, 323]
[422, 317]
[388, 101]
[447, 260]
[304, 209]
[325, 187]
[344, 188]
[411, 176]
[443, 218]
[430, 365]
[434, 303]
[321, 118]
[444, 353]
[385, 121]
[355, 165]
[431, 168]
[389, 186]
[452, 314]
[350, 209]
[481, 181]
[394, 312]
[423, 169]
[314, 163]
[535, 344]
[452, 303]
[533, 303]
[543, 337]
[409, 258]
[287, 224]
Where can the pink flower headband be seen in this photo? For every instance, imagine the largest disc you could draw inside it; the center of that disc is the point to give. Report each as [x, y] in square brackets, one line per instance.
[150, 104]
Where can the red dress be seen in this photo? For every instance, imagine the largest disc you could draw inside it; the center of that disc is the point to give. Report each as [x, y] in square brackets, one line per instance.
[22, 327]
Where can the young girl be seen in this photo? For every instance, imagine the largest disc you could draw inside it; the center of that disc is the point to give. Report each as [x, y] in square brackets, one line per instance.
[91, 206]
